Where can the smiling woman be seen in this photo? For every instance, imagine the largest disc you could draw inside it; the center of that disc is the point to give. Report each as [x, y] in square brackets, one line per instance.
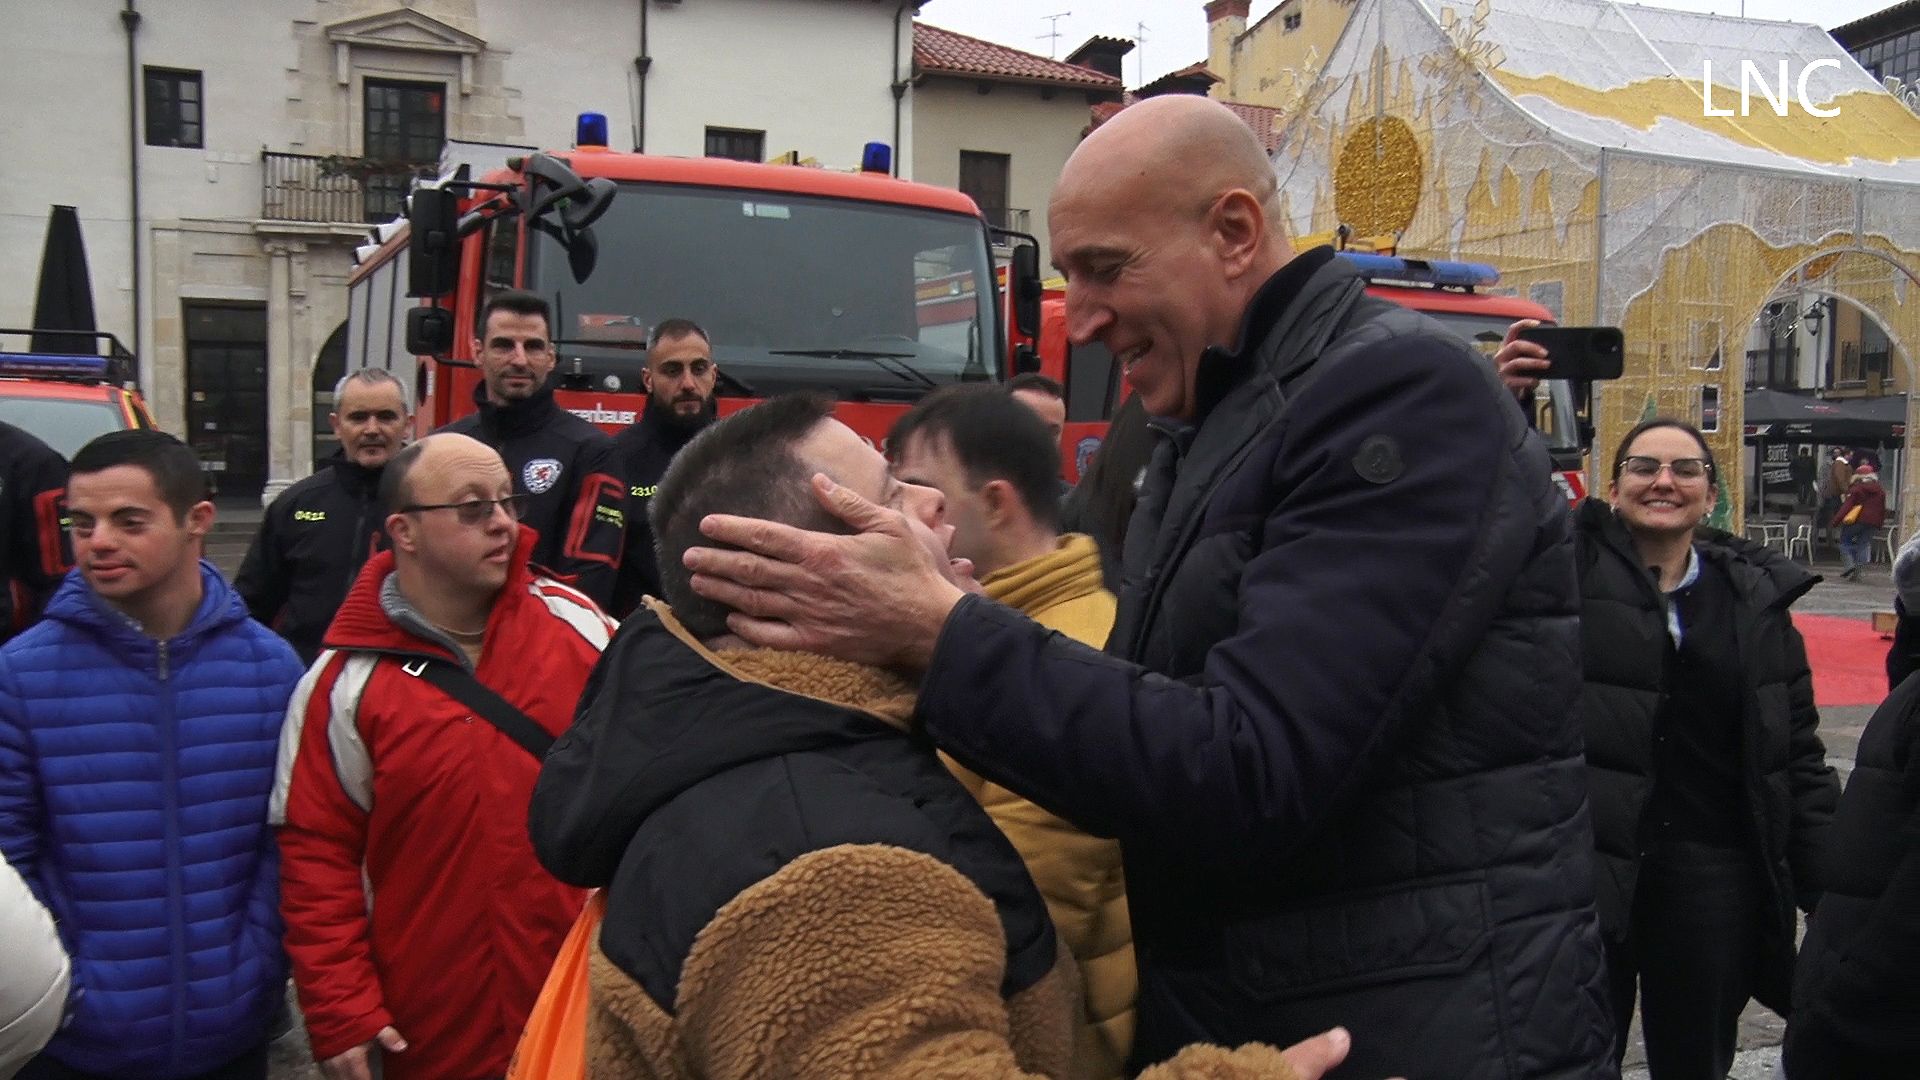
[1708, 784]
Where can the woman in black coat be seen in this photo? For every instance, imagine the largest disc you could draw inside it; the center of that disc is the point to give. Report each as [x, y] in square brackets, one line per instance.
[1709, 785]
[1856, 990]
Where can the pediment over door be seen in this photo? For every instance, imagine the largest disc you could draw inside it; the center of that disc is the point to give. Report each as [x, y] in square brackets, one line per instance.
[402, 30]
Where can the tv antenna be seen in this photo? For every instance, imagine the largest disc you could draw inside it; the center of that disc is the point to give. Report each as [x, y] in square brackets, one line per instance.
[1053, 33]
[1140, 51]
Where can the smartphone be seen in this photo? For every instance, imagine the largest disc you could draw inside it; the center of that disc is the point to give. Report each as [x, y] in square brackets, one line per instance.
[1580, 353]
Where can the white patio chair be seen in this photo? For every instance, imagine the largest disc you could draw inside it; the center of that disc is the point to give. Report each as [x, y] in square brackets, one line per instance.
[1802, 540]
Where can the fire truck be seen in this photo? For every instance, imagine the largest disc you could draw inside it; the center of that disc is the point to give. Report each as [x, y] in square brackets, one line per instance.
[868, 288]
[1454, 293]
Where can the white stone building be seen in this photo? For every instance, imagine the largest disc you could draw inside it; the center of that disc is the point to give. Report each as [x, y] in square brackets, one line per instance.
[999, 123]
[258, 140]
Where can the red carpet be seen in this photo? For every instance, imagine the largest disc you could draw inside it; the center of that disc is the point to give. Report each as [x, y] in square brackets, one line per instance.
[1848, 660]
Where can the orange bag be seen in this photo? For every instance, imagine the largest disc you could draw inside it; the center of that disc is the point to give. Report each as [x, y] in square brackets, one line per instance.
[554, 1044]
[1853, 515]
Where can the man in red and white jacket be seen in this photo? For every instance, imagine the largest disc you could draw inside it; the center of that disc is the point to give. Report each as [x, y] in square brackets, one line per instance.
[433, 957]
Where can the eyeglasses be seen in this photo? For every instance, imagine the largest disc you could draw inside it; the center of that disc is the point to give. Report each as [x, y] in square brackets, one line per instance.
[1646, 468]
[476, 511]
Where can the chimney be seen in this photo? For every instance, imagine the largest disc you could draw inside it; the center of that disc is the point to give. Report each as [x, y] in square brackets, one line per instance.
[1102, 54]
[1226, 23]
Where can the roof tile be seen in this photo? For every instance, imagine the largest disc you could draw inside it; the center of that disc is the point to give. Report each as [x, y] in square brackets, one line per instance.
[944, 52]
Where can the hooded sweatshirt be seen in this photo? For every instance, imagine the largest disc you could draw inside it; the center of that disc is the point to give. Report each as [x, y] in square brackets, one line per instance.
[795, 887]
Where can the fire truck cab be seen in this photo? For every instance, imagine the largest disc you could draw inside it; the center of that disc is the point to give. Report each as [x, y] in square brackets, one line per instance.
[870, 289]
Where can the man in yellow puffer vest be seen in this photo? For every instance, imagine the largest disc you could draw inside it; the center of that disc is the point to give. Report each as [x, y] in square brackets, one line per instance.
[999, 469]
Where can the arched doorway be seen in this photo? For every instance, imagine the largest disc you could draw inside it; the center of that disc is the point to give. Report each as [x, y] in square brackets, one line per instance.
[328, 368]
[1828, 376]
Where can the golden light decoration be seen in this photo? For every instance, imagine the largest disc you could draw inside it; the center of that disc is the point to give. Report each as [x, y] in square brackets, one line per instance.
[1818, 268]
[1376, 185]
[1459, 69]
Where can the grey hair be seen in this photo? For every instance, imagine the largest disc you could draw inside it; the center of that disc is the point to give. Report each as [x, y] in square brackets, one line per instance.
[374, 376]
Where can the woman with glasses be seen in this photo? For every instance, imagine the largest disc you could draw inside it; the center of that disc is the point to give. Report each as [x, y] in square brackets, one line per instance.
[1710, 790]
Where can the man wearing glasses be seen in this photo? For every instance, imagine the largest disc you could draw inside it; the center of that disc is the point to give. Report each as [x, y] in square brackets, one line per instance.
[680, 380]
[409, 754]
[561, 463]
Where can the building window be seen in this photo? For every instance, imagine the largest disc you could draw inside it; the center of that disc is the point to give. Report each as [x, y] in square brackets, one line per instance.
[983, 178]
[227, 394]
[736, 144]
[173, 108]
[1709, 409]
[1290, 22]
[406, 125]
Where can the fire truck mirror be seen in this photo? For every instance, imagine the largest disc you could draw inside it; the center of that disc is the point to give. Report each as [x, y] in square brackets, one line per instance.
[433, 256]
[1024, 278]
[584, 209]
[429, 331]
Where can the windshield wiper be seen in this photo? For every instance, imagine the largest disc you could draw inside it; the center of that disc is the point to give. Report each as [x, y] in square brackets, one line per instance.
[843, 354]
[894, 362]
[739, 384]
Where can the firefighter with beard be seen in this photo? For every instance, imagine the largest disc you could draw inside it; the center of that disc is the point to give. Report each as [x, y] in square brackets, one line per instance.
[680, 378]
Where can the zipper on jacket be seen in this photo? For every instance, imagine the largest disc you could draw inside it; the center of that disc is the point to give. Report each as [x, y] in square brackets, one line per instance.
[176, 902]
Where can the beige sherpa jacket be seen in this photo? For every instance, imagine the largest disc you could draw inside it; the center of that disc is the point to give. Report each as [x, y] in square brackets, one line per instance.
[855, 962]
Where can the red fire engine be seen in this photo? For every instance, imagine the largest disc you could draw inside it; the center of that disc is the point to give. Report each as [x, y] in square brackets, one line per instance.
[871, 289]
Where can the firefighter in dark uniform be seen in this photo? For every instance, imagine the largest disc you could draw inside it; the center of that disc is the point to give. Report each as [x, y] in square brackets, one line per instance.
[318, 533]
[680, 379]
[563, 464]
[34, 553]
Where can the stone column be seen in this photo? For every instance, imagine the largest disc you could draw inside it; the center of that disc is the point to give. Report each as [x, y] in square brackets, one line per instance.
[280, 368]
[300, 367]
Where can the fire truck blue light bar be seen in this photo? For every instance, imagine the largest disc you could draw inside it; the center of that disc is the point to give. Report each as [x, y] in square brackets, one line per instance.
[52, 366]
[1459, 275]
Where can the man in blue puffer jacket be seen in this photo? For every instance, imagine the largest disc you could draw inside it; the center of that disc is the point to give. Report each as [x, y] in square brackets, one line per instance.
[139, 722]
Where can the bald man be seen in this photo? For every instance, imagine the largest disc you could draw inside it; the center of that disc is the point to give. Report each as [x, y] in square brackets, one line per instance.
[1333, 730]
[409, 754]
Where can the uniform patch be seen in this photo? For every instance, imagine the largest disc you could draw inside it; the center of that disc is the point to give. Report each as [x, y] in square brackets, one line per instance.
[1378, 460]
[540, 475]
[1083, 453]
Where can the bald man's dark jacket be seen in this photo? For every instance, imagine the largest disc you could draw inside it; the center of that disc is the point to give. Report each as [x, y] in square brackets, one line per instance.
[1335, 734]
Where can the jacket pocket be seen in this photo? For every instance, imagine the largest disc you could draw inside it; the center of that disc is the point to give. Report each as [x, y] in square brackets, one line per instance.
[1357, 940]
[1408, 971]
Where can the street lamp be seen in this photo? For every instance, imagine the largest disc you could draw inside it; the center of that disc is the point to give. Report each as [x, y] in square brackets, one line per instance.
[1785, 320]
[1812, 317]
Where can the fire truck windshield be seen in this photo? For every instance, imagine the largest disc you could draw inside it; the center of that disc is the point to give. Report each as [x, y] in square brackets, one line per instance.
[862, 300]
[1554, 409]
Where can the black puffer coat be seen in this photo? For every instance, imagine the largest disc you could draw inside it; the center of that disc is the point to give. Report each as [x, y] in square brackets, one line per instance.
[1790, 788]
[1856, 994]
[1336, 739]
